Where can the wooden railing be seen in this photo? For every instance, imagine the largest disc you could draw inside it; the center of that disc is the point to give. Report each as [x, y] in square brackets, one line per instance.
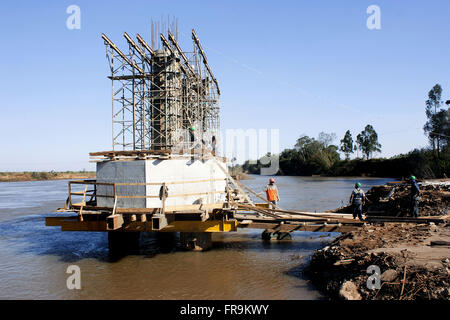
[92, 193]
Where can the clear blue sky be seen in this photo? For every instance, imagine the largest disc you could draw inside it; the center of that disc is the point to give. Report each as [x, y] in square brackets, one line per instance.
[300, 66]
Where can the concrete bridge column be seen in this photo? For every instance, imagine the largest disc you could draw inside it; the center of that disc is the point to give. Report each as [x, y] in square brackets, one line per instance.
[196, 241]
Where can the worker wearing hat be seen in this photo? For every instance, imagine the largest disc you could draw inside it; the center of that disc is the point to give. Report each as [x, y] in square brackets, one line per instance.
[272, 192]
[213, 143]
[357, 199]
[191, 132]
[192, 141]
[414, 197]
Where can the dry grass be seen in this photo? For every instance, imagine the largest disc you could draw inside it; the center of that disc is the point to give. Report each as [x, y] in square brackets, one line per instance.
[44, 175]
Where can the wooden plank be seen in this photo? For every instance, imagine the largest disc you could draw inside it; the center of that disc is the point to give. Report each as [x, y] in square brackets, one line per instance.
[83, 226]
[91, 182]
[305, 227]
[57, 221]
[131, 152]
[160, 183]
[259, 196]
[434, 219]
[177, 195]
[114, 222]
[173, 208]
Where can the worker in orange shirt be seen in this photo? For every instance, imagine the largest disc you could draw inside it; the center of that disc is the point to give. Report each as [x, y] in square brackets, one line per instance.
[272, 192]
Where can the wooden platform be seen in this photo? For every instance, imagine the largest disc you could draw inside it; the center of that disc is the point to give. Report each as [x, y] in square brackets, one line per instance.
[159, 154]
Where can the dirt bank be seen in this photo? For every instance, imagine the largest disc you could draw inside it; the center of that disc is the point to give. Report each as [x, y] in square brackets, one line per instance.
[423, 251]
[413, 259]
[242, 176]
[52, 175]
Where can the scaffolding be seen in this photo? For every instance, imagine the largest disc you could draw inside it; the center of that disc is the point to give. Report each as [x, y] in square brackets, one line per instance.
[160, 92]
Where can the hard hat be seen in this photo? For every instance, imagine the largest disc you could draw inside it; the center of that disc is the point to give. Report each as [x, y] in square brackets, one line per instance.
[413, 178]
[272, 180]
[357, 184]
[191, 129]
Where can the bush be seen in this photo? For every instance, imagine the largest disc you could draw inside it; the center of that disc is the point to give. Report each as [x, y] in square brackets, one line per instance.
[40, 175]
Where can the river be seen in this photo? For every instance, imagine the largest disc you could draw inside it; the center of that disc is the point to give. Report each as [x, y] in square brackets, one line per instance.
[34, 258]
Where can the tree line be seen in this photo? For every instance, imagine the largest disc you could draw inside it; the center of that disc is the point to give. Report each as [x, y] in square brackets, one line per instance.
[319, 156]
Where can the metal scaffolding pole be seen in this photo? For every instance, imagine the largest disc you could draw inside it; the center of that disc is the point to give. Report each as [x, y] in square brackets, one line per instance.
[159, 92]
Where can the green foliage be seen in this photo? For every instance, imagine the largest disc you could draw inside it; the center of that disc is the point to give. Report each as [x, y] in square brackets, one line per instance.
[319, 156]
[347, 144]
[367, 141]
[40, 175]
[437, 125]
[419, 163]
[310, 156]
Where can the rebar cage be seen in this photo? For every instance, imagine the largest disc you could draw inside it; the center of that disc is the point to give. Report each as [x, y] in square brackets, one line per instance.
[161, 93]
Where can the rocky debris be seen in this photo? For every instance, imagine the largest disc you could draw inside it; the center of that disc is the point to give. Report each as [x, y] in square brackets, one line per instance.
[389, 275]
[410, 268]
[393, 199]
[349, 291]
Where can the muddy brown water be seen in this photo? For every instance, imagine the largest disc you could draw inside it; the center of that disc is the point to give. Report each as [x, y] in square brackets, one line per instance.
[34, 258]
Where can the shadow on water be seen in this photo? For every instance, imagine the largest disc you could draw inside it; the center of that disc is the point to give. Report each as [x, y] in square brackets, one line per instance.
[300, 270]
[29, 235]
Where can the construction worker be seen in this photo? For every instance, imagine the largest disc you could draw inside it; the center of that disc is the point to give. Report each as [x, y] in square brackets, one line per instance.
[272, 192]
[213, 144]
[357, 199]
[414, 197]
[191, 135]
[192, 141]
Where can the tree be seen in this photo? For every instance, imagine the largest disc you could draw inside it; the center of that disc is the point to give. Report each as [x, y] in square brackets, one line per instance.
[310, 156]
[367, 141]
[437, 119]
[347, 144]
[326, 139]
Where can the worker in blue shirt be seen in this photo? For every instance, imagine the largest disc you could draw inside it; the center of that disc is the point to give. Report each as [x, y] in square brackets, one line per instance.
[414, 197]
[357, 199]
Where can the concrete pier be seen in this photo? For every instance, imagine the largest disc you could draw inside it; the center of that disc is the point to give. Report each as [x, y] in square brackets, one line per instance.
[196, 241]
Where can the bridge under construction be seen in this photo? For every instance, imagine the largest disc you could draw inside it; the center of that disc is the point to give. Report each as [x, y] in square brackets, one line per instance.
[164, 172]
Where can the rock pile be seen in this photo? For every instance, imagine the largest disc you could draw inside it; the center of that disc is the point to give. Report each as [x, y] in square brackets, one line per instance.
[410, 268]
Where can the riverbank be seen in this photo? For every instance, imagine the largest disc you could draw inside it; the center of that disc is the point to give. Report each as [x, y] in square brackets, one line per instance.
[242, 176]
[413, 259]
[42, 175]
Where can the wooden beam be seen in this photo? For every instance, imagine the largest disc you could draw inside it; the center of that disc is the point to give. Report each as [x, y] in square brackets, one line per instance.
[167, 45]
[300, 227]
[130, 152]
[114, 222]
[133, 44]
[186, 61]
[124, 57]
[259, 196]
[144, 44]
[205, 61]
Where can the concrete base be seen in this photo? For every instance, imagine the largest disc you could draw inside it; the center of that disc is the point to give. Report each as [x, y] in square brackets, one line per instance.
[196, 241]
[123, 242]
[207, 182]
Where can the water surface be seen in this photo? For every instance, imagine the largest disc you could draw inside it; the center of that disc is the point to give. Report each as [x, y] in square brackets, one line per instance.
[34, 258]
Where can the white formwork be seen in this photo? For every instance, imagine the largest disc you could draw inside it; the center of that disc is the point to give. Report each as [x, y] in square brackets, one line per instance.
[188, 182]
